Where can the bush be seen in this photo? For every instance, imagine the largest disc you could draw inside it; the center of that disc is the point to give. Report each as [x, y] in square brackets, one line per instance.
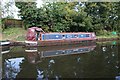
[104, 33]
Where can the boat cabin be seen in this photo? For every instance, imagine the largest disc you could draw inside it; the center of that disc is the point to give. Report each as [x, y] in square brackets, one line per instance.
[37, 34]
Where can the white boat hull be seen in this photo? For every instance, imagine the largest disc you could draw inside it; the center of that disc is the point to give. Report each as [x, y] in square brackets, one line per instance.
[2, 43]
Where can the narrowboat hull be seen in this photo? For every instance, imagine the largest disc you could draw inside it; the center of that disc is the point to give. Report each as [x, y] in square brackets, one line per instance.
[36, 38]
[58, 42]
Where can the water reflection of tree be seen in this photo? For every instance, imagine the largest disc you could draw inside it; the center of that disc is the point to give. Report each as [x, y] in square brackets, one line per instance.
[110, 54]
[28, 70]
[119, 59]
[96, 64]
[9, 71]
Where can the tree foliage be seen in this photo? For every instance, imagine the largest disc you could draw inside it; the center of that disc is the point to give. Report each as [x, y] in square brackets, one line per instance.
[72, 16]
[104, 15]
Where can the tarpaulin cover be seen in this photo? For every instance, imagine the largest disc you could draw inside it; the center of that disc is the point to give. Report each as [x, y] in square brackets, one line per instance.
[31, 34]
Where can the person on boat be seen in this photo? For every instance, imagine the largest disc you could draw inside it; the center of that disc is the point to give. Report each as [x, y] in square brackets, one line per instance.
[38, 31]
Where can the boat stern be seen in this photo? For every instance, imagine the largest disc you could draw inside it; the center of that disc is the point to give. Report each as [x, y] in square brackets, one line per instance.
[93, 36]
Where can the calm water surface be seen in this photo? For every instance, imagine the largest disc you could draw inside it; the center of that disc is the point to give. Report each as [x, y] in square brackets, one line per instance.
[92, 60]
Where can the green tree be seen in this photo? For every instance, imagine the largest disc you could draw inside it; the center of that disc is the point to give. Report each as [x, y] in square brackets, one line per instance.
[104, 15]
[72, 16]
[80, 20]
[28, 13]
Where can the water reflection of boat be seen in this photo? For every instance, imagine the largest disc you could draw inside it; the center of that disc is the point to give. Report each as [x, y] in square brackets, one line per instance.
[5, 49]
[36, 53]
[76, 50]
[31, 49]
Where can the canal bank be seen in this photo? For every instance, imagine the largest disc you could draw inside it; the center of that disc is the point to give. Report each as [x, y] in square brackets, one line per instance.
[107, 39]
[22, 43]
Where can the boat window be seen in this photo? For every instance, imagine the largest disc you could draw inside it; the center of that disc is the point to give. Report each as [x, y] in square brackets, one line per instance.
[63, 36]
[76, 36]
[87, 35]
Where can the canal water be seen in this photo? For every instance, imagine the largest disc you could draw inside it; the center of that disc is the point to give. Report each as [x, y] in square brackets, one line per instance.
[90, 60]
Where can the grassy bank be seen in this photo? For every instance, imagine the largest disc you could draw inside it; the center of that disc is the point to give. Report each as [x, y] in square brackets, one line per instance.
[18, 34]
[109, 36]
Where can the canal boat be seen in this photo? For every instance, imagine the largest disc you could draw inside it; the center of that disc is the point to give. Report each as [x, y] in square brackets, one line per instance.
[37, 37]
[4, 43]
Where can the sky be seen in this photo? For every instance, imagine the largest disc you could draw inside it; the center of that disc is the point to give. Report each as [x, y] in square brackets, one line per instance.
[14, 9]
[39, 3]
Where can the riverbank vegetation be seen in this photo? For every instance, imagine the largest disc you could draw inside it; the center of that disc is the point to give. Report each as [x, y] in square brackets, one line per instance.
[72, 16]
[103, 18]
[14, 34]
[20, 33]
